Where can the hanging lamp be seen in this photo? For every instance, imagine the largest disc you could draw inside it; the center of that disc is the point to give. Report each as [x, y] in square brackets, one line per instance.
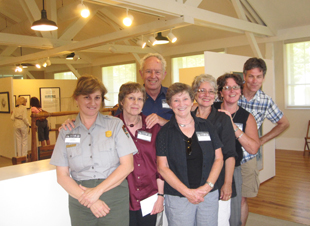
[44, 24]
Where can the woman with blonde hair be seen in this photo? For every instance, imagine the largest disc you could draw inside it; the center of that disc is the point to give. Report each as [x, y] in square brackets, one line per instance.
[21, 125]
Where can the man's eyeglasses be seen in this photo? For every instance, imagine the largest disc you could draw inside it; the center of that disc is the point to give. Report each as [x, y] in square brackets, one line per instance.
[189, 146]
[210, 92]
[149, 71]
[231, 87]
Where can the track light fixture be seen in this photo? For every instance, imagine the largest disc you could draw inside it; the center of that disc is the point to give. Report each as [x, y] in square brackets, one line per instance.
[38, 65]
[84, 10]
[171, 37]
[18, 69]
[141, 43]
[161, 39]
[127, 21]
[48, 62]
[152, 40]
[44, 24]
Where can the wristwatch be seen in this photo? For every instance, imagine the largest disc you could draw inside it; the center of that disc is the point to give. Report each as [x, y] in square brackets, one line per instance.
[210, 184]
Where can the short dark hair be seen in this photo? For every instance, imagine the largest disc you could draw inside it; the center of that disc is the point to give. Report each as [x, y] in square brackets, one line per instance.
[179, 88]
[34, 102]
[88, 84]
[255, 62]
[221, 82]
[128, 88]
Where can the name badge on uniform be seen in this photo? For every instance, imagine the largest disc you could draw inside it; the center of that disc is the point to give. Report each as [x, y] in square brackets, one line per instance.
[240, 126]
[73, 138]
[142, 135]
[203, 136]
[164, 103]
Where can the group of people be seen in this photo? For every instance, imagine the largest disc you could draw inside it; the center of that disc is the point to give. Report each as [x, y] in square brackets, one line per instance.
[21, 124]
[197, 158]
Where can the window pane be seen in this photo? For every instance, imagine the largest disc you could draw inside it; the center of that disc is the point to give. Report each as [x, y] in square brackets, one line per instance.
[114, 76]
[298, 74]
[65, 75]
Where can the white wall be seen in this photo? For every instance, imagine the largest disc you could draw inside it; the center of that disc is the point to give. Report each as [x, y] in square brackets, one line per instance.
[217, 64]
[30, 196]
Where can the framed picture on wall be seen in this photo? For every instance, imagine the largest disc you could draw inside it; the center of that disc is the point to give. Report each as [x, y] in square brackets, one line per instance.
[238, 73]
[50, 99]
[4, 102]
[27, 97]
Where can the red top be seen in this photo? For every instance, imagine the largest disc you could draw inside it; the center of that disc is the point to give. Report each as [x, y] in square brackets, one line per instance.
[143, 180]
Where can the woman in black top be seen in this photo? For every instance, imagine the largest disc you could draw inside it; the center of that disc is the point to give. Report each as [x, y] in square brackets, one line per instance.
[204, 87]
[189, 158]
[244, 124]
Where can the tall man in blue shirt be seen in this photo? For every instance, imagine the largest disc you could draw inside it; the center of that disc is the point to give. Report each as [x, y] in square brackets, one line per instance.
[261, 106]
[153, 72]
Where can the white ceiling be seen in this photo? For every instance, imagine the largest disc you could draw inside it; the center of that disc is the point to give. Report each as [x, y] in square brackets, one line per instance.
[198, 24]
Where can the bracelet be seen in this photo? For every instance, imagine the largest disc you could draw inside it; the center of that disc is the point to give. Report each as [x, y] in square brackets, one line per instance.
[235, 130]
[160, 194]
[240, 135]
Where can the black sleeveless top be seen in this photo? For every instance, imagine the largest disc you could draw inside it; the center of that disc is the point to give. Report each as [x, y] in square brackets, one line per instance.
[240, 119]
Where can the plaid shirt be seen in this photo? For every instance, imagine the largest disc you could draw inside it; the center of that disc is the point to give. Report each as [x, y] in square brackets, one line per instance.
[261, 106]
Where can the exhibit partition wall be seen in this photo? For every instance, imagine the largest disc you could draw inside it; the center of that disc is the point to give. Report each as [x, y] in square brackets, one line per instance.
[217, 64]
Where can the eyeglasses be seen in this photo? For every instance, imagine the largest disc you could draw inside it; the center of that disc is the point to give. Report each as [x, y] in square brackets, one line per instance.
[231, 87]
[150, 71]
[189, 146]
[210, 92]
[133, 99]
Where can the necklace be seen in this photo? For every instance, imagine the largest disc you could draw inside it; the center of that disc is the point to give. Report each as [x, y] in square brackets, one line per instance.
[183, 125]
[233, 115]
[132, 125]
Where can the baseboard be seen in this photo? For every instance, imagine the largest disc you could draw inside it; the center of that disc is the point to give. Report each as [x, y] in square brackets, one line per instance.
[287, 143]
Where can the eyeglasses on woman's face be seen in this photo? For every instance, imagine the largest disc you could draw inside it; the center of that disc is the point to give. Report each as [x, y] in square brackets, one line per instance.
[228, 88]
[210, 92]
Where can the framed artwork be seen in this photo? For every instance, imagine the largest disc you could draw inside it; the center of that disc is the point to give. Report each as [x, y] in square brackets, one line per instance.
[4, 102]
[27, 97]
[50, 99]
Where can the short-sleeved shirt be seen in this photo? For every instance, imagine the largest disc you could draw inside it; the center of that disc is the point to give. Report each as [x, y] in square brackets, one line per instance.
[142, 181]
[95, 155]
[261, 106]
[170, 143]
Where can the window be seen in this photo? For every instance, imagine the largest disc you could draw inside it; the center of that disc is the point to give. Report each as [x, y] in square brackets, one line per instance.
[186, 62]
[298, 75]
[114, 76]
[14, 76]
[65, 75]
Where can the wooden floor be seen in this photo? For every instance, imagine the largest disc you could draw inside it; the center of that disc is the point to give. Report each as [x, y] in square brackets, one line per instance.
[287, 195]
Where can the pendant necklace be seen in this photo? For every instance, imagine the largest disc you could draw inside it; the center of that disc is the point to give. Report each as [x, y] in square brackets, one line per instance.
[132, 125]
[183, 125]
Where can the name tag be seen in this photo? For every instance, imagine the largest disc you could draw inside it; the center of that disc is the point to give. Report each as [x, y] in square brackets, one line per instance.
[70, 145]
[142, 135]
[240, 126]
[164, 103]
[203, 136]
[73, 138]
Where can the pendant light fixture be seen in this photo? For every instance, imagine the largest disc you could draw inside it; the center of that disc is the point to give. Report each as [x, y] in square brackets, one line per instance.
[44, 24]
[161, 39]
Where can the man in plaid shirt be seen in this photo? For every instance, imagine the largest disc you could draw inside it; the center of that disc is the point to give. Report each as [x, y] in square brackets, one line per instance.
[261, 106]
